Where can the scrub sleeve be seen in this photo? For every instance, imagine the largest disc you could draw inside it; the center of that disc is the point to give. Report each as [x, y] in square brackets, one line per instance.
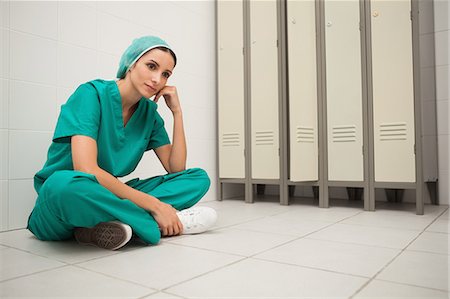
[68, 199]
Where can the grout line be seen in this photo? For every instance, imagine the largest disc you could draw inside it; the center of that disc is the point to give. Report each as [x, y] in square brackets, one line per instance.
[30, 274]
[413, 285]
[113, 277]
[203, 274]
[312, 268]
[395, 257]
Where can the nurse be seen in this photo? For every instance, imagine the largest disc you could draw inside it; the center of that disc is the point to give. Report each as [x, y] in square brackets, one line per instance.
[102, 132]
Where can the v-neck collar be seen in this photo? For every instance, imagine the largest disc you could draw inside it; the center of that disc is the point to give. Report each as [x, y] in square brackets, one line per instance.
[117, 101]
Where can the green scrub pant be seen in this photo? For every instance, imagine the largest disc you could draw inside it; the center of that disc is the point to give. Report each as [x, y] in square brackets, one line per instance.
[70, 199]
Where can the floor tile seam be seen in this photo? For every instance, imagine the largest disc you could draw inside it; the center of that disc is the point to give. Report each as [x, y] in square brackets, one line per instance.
[290, 241]
[413, 285]
[210, 250]
[354, 243]
[436, 232]
[265, 232]
[33, 273]
[428, 252]
[98, 257]
[372, 226]
[114, 277]
[148, 294]
[202, 274]
[387, 264]
[36, 254]
[311, 267]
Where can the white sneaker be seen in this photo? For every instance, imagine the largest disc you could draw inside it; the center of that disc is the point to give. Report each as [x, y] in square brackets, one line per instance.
[197, 219]
[109, 235]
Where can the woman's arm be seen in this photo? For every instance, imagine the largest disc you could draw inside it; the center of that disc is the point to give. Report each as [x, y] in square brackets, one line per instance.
[173, 157]
[84, 155]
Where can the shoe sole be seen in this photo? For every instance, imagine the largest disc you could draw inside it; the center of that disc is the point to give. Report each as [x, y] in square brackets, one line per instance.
[106, 235]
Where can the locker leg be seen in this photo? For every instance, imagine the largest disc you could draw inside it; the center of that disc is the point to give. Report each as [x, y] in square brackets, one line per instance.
[394, 195]
[315, 192]
[354, 193]
[432, 188]
[220, 191]
[260, 189]
[291, 191]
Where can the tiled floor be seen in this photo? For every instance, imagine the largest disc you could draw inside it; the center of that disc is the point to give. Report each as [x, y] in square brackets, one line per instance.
[260, 250]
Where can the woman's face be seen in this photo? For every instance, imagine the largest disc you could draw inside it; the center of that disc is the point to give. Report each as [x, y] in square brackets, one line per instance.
[150, 73]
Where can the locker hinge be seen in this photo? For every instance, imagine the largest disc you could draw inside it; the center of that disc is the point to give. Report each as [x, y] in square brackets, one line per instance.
[243, 51]
[244, 152]
[277, 43]
[362, 147]
[278, 152]
[411, 14]
[414, 148]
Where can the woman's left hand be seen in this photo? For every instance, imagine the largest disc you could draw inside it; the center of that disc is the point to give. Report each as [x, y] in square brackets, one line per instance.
[170, 96]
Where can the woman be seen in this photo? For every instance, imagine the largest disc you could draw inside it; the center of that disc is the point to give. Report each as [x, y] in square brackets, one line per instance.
[102, 133]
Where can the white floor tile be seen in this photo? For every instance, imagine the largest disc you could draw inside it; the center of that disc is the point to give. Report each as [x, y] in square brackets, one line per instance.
[162, 295]
[431, 242]
[340, 257]
[160, 266]
[420, 269]
[71, 282]
[366, 235]
[261, 279]
[235, 241]
[66, 251]
[392, 218]
[331, 214]
[441, 225]
[15, 263]
[284, 224]
[231, 212]
[384, 289]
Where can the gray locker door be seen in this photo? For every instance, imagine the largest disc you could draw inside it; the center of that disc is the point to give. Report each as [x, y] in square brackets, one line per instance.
[264, 89]
[230, 25]
[344, 91]
[303, 126]
[393, 96]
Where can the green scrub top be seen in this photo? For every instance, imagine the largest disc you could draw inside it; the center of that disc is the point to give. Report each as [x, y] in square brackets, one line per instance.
[95, 110]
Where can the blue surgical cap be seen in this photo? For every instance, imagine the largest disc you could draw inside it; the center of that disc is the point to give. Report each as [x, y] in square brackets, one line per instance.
[138, 47]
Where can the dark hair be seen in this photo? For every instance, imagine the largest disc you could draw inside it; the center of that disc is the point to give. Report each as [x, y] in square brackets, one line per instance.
[169, 51]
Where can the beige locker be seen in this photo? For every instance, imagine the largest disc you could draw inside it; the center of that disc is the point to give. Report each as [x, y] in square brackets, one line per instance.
[264, 90]
[230, 31]
[302, 76]
[393, 93]
[344, 91]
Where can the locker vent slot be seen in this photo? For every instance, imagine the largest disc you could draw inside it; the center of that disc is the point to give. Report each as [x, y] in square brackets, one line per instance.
[345, 133]
[231, 139]
[264, 138]
[305, 134]
[393, 131]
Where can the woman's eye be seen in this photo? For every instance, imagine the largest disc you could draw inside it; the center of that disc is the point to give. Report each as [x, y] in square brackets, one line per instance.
[151, 66]
[165, 74]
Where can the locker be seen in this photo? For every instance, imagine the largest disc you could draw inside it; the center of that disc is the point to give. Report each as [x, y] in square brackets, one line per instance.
[393, 91]
[344, 90]
[264, 90]
[302, 77]
[231, 118]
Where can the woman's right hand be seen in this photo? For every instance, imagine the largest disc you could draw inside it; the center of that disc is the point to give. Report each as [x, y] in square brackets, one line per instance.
[167, 219]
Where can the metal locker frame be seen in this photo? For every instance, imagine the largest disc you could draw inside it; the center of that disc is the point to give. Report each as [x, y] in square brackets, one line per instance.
[249, 181]
[231, 121]
[323, 184]
[420, 180]
[324, 177]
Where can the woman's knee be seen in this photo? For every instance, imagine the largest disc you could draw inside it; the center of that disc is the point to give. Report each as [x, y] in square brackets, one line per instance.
[66, 184]
[201, 179]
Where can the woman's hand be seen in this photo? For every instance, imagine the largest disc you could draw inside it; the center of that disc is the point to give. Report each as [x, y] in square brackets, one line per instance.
[170, 96]
[167, 219]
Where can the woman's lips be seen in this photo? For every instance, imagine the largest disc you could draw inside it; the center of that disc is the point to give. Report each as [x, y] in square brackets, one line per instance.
[149, 87]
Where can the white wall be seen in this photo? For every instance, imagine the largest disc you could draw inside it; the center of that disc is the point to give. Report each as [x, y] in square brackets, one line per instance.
[442, 42]
[49, 48]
